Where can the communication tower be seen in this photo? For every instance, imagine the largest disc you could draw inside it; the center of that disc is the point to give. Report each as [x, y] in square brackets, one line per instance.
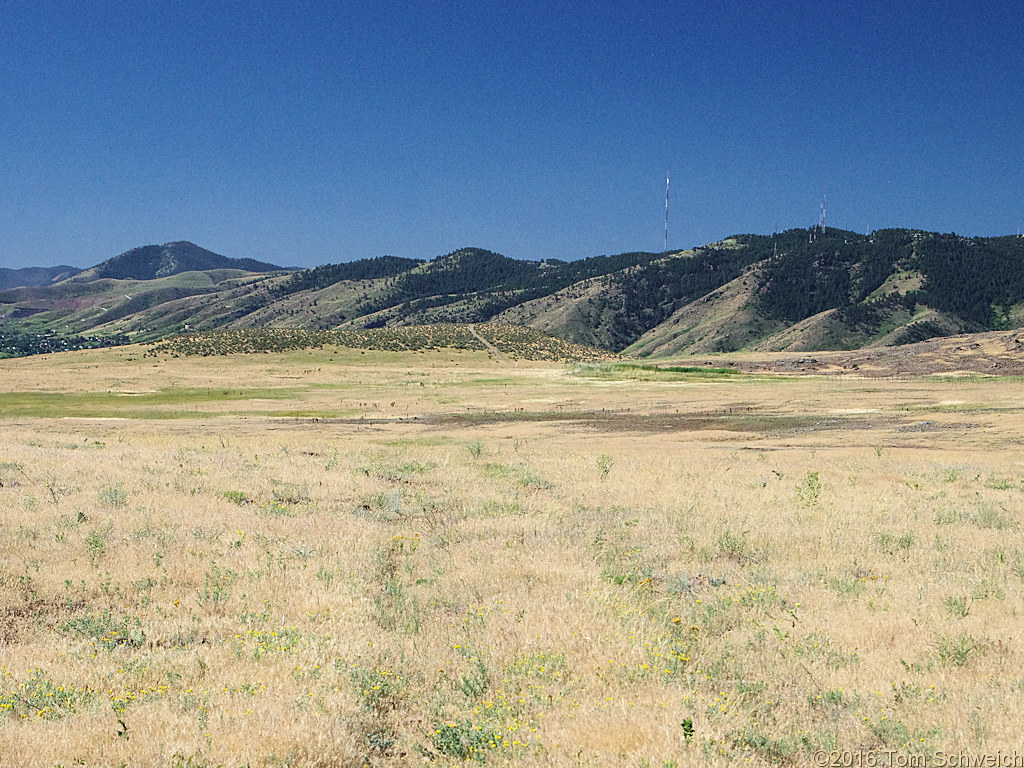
[666, 213]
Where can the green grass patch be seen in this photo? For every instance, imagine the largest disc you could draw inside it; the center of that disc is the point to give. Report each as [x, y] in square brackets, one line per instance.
[142, 405]
[648, 372]
[42, 697]
[407, 442]
[106, 630]
[687, 369]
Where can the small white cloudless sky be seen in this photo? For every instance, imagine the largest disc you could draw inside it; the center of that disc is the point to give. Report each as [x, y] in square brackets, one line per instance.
[314, 132]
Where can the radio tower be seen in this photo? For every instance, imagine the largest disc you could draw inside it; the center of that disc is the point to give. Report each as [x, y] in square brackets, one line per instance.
[666, 213]
[821, 222]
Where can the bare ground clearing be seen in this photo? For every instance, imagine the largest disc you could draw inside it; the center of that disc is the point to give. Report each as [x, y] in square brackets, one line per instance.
[999, 353]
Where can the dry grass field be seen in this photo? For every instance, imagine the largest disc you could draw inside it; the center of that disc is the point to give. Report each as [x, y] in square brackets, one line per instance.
[342, 558]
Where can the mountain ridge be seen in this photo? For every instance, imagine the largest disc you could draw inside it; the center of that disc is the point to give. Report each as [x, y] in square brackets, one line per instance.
[26, 277]
[801, 289]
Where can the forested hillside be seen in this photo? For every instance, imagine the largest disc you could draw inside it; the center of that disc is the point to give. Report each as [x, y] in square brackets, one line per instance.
[798, 289]
[149, 262]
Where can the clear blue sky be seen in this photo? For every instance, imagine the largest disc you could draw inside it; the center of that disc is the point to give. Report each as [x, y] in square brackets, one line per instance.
[308, 132]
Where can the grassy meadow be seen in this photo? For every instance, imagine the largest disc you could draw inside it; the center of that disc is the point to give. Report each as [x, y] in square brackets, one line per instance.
[344, 557]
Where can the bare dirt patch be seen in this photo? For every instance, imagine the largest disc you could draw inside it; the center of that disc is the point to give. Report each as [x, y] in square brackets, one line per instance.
[988, 354]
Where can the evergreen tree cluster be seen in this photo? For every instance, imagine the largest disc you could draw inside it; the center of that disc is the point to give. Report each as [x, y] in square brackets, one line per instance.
[324, 276]
[806, 272]
[150, 261]
[652, 292]
[978, 278]
[496, 281]
[464, 272]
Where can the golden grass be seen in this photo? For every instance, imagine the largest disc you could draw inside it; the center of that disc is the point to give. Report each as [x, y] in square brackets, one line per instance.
[247, 589]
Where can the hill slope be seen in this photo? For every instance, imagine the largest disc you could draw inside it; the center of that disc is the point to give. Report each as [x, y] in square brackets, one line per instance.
[795, 290]
[149, 262]
[30, 276]
[724, 320]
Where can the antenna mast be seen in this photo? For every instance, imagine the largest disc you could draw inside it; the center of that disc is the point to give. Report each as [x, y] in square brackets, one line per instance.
[666, 213]
[821, 222]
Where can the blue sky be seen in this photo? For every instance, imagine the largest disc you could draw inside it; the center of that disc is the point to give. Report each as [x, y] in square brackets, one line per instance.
[311, 132]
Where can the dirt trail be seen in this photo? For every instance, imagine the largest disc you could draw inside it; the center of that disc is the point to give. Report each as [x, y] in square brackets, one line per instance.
[493, 350]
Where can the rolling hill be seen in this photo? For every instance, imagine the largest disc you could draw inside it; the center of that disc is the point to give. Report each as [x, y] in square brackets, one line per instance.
[149, 262]
[29, 276]
[801, 289]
